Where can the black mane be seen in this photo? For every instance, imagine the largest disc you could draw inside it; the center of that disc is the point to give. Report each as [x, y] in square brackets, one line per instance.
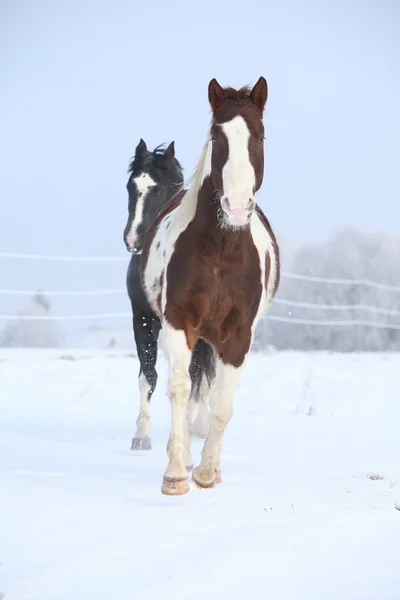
[156, 158]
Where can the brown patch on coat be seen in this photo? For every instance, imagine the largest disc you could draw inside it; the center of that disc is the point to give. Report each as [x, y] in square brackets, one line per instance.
[218, 95]
[220, 309]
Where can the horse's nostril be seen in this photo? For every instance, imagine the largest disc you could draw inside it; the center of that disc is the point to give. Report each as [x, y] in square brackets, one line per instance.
[128, 247]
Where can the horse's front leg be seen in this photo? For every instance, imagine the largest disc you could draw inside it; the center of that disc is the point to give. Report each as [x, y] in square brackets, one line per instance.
[176, 480]
[209, 471]
[146, 328]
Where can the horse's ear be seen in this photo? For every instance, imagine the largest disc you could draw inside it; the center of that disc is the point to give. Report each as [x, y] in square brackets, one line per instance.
[259, 93]
[141, 147]
[215, 94]
[170, 151]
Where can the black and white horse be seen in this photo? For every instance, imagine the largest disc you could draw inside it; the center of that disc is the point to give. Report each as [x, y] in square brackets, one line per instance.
[154, 178]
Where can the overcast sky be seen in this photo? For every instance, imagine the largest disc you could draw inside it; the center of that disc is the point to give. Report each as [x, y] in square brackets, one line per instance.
[83, 80]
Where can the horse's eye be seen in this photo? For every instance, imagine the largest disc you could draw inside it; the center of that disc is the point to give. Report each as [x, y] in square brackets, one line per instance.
[214, 141]
[262, 139]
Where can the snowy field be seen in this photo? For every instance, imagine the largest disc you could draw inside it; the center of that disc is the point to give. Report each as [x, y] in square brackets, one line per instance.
[296, 516]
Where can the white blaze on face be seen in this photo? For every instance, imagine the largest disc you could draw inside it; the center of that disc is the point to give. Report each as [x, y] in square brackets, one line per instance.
[238, 175]
[143, 185]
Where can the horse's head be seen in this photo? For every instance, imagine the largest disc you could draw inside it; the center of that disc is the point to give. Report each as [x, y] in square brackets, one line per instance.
[153, 178]
[237, 159]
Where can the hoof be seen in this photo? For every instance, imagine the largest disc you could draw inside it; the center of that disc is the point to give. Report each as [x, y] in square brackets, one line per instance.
[175, 487]
[202, 482]
[141, 443]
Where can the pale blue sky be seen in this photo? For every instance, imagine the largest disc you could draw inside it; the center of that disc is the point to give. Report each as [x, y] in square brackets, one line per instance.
[82, 81]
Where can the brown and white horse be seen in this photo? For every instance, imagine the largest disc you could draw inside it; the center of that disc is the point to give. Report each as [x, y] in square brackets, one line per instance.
[210, 268]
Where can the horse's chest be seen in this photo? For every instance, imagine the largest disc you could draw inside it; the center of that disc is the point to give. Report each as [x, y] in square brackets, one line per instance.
[226, 280]
[231, 280]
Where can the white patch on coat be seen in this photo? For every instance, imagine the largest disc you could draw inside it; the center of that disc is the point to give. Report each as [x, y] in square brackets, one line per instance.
[143, 183]
[265, 246]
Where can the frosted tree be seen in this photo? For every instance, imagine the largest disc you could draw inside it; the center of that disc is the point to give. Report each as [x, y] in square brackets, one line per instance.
[347, 254]
[35, 332]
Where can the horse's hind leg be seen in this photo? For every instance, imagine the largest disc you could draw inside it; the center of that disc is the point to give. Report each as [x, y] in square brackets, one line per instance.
[146, 326]
[202, 374]
[198, 410]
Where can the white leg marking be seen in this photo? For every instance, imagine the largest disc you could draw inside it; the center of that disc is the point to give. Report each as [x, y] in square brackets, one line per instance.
[141, 441]
[143, 184]
[199, 416]
[213, 393]
[221, 413]
[178, 356]
[188, 460]
[192, 412]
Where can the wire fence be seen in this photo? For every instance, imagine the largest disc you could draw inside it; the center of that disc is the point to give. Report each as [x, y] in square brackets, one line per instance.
[323, 322]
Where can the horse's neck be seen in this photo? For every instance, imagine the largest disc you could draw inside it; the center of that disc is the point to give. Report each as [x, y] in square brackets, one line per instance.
[206, 222]
[206, 209]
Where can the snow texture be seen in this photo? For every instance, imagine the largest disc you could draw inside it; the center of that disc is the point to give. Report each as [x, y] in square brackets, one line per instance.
[296, 515]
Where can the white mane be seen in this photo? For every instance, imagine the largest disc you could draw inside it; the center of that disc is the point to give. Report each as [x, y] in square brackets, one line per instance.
[194, 183]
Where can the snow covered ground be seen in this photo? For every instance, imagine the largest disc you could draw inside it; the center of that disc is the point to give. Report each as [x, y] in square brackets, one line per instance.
[295, 517]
